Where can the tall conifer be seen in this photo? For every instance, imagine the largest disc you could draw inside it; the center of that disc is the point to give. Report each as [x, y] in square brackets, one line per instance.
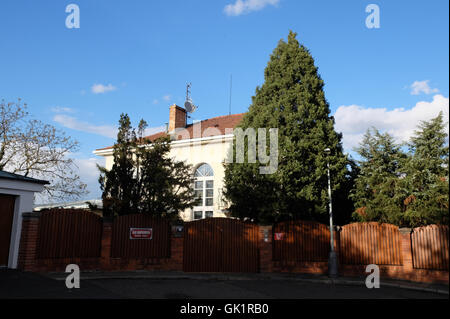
[376, 193]
[291, 99]
[426, 186]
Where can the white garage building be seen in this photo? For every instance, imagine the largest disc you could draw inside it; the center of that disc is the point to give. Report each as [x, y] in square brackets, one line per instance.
[16, 198]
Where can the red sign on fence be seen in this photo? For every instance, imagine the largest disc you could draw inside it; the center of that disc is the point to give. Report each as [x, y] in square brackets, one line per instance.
[278, 236]
[141, 233]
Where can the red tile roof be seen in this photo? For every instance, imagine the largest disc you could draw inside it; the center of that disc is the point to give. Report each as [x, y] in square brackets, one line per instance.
[219, 124]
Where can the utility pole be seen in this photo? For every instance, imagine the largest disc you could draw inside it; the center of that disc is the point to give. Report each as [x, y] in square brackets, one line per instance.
[332, 259]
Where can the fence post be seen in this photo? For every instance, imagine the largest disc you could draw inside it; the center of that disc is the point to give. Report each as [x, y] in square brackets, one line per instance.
[265, 249]
[29, 241]
[105, 256]
[406, 251]
[176, 247]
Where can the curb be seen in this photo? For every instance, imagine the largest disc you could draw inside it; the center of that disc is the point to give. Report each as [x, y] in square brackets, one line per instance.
[330, 281]
[394, 285]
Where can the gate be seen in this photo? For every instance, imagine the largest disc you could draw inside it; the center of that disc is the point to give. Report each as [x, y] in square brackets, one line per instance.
[370, 243]
[69, 233]
[430, 247]
[301, 241]
[158, 246]
[6, 220]
[220, 245]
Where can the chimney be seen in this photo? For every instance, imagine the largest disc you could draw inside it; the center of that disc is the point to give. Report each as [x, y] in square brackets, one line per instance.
[177, 118]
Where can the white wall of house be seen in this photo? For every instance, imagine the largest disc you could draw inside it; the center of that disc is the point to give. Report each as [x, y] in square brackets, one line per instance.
[24, 194]
[210, 150]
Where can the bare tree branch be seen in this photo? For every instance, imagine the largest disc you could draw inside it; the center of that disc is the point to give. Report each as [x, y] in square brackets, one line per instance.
[32, 148]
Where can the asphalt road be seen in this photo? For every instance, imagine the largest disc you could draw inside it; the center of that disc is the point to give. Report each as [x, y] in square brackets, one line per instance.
[15, 284]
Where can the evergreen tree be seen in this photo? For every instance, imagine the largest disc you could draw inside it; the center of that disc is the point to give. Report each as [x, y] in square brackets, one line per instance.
[164, 185]
[291, 99]
[118, 184]
[343, 204]
[425, 187]
[376, 186]
[143, 178]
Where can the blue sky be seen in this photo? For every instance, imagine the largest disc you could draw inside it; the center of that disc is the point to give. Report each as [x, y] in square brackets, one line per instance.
[146, 51]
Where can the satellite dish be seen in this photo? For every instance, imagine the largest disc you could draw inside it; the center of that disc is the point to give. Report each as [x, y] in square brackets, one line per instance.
[188, 105]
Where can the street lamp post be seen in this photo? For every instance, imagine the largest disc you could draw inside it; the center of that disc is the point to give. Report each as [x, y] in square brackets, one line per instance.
[332, 259]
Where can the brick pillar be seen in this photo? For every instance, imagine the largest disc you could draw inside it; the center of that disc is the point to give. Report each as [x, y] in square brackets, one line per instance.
[28, 241]
[265, 249]
[406, 251]
[176, 247]
[176, 253]
[106, 244]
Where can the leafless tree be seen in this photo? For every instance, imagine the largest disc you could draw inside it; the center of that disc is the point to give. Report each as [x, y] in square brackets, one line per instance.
[32, 148]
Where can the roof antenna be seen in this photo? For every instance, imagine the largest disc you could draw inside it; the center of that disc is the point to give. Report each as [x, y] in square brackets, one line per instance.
[231, 86]
[188, 104]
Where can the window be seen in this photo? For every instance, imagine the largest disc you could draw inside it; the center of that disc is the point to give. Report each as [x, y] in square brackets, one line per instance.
[204, 192]
[204, 170]
[208, 214]
[198, 214]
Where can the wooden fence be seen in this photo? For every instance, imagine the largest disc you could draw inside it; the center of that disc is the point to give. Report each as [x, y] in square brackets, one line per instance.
[430, 247]
[230, 245]
[124, 247]
[301, 241]
[220, 245]
[67, 233]
[370, 243]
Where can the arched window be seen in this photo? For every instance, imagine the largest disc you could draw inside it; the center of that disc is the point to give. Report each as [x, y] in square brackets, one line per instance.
[204, 170]
[204, 192]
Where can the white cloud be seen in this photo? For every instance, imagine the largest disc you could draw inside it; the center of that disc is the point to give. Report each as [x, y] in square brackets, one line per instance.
[165, 98]
[103, 130]
[75, 124]
[88, 172]
[422, 87]
[354, 120]
[61, 109]
[247, 6]
[100, 88]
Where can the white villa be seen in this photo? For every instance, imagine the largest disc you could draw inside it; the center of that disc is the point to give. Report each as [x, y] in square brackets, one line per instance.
[204, 145]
